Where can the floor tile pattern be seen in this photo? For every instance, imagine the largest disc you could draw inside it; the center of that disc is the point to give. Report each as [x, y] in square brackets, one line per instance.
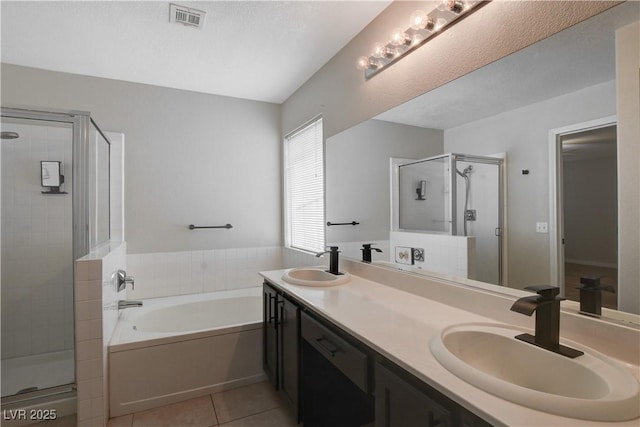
[256, 405]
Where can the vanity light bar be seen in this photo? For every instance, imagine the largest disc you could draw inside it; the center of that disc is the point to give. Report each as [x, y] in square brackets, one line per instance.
[422, 27]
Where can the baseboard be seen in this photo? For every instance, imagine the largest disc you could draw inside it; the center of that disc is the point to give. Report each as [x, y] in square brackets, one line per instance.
[591, 263]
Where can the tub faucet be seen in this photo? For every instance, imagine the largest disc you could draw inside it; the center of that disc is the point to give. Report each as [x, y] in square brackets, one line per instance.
[366, 251]
[546, 304]
[122, 304]
[333, 259]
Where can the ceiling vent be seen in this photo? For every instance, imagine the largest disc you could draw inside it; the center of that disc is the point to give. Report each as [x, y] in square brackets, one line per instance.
[186, 16]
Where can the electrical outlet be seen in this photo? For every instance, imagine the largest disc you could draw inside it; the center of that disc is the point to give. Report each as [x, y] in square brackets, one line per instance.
[418, 254]
[542, 227]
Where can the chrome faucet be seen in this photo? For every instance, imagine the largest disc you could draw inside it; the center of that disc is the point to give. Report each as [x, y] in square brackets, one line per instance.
[547, 307]
[333, 259]
[366, 251]
[124, 280]
[122, 304]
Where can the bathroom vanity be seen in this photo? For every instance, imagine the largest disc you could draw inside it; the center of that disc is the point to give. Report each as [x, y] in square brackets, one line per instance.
[358, 354]
[341, 380]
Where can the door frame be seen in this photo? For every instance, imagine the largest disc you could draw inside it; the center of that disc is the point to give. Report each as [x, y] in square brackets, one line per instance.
[556, 207]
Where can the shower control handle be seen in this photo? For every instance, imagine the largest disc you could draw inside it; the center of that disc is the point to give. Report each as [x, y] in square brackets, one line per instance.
[124, 280]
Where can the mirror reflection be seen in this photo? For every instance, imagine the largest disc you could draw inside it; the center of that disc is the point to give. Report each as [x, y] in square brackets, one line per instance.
[546, 116]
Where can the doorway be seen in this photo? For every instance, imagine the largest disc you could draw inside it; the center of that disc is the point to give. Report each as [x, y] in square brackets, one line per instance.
[587, 189]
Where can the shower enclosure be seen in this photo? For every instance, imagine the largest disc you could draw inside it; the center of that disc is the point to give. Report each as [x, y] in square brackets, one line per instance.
[455, 194]
[55, 207]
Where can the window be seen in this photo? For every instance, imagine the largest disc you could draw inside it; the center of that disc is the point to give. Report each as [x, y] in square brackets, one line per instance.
[304, 188]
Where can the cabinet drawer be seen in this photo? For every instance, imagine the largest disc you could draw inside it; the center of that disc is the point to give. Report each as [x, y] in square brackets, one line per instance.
[344, 356]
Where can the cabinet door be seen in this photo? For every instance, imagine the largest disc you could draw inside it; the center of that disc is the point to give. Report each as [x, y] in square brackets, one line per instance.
[270, 334]
[400, 404]
[289, 350]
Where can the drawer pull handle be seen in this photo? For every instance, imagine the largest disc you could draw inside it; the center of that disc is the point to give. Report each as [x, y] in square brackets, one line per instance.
[272, 311]
[327, 346]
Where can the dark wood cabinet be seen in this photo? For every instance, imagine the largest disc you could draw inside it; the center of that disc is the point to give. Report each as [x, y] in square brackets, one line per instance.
[281, 343]
[402, 400]
[330, 378]
[289, 350]
[270, 334]
[400, 404]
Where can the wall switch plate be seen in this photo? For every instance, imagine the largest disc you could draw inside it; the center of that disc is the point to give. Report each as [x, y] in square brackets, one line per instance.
[542, 227]
[404, 255]
[418, 254]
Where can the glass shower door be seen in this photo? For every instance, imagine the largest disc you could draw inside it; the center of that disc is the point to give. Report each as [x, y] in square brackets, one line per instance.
[478, 207]
[423, 199]
[36, 255]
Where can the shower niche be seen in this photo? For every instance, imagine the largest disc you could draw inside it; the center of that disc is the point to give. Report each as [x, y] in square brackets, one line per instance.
[454, 195]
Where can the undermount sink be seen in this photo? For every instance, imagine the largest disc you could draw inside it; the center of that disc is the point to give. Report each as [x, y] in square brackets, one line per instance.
[591, 386]
[307, 276]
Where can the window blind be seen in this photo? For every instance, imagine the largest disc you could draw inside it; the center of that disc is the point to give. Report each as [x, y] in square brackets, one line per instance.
[304, 188]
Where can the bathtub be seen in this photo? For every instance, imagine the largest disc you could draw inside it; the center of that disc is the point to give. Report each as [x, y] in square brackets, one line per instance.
[177, 348]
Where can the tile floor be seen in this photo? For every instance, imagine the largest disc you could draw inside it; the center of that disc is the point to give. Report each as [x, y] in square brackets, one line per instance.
[256, 405]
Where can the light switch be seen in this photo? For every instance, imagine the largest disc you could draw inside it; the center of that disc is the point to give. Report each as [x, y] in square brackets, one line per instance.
[542, 227]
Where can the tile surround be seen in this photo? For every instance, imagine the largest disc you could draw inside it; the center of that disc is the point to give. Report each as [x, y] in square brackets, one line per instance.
[96, 317]
[178, 273]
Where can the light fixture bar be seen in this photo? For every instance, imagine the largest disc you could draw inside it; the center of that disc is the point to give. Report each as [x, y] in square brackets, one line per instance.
[422, 28]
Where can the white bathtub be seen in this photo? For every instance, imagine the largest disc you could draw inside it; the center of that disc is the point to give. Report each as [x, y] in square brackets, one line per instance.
[176, 348]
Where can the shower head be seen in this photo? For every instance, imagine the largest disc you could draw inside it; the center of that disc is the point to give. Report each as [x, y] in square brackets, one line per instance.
[465, 173]
[9, 135]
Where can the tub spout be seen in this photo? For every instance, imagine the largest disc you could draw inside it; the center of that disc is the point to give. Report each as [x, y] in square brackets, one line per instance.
[122, 304]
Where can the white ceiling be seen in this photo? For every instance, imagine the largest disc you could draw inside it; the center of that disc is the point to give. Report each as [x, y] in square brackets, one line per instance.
[581, 56]
[260, 50]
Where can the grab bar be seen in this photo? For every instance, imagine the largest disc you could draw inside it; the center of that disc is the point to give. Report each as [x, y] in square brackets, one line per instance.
[329, 223]
[193, 227]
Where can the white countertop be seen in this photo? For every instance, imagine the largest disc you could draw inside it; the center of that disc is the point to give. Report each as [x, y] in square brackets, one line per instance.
[399, 325]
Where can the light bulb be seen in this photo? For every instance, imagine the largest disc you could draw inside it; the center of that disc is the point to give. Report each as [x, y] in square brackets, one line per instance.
[364, 63]
[441, 22]
[456, 6]
[398, 37]
[416, 39]
[381, 51]
[442, 5]
[417, 19]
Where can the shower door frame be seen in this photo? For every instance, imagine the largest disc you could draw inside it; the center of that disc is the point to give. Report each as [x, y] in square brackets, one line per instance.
[453, 227]
[81, 122]
[501, 229]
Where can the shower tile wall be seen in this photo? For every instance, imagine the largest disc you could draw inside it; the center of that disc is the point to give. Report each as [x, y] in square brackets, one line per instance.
[37, 273]
[177, 273]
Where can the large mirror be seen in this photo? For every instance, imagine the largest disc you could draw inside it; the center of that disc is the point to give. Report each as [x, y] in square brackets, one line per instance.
[512, 110]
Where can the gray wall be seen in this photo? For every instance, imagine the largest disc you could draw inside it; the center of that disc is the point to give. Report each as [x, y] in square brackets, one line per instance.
[524, 135]
[590, 211]
[357, 175]
[189, 157]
